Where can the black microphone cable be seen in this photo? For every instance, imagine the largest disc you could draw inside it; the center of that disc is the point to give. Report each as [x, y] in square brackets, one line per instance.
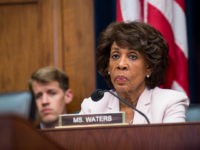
[98, 94]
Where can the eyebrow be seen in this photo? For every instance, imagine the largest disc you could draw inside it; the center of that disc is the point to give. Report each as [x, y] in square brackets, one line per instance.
[115, 48]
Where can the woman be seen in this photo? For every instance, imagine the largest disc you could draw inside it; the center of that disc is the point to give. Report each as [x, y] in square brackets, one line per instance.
[132, 57]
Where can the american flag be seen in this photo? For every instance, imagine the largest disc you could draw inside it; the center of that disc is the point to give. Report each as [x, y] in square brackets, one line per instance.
[168, 16]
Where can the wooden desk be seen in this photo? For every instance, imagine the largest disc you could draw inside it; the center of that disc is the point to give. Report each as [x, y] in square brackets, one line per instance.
[179, 136]
[18, 134]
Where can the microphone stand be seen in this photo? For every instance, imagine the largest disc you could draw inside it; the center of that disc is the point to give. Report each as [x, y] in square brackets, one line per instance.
[128, 104]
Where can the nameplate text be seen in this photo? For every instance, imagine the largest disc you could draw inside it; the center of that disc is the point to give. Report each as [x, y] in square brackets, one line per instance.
[80, 119]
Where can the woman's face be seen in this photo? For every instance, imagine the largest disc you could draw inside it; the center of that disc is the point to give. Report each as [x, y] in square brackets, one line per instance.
[127, 69]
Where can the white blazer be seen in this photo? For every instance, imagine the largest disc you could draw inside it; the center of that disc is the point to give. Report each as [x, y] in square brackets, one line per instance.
[159, 105]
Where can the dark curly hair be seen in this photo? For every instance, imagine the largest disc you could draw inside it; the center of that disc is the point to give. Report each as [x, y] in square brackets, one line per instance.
[139, 36]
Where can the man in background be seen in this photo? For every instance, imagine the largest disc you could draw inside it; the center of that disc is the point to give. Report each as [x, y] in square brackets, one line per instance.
[50, 89]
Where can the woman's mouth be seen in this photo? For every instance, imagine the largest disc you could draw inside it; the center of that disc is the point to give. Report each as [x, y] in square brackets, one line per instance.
[121, 79]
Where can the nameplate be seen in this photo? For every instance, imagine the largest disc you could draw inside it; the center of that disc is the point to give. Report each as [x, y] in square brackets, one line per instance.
[86, 119]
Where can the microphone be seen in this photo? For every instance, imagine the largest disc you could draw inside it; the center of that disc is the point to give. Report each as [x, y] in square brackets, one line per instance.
[98, 94]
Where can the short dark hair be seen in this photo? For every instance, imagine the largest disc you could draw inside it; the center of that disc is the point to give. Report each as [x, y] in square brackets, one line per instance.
[48, 74]
[139, 36]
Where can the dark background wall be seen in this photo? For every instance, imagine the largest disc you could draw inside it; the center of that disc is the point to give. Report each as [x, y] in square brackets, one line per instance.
[193, 30]
[105, 13]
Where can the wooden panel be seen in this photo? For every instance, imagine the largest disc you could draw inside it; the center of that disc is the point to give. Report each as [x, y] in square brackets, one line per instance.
[37, 33]
[6, 2]
[78, 46]
[26, 41]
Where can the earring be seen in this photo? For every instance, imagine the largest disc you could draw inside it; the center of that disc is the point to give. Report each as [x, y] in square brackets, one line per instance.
[148, 76]
[108, 72]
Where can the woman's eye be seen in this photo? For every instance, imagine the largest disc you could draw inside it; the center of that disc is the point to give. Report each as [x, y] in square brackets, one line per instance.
[115, 56]
[133, 57]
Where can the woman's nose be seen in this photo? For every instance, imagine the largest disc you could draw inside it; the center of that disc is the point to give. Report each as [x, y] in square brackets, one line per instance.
[122, 64]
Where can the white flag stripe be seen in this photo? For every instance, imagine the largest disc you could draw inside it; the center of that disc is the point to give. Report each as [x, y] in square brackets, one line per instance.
[130, 10]
[165, 7]
[145, 10]
[176, 86]
[180, 29]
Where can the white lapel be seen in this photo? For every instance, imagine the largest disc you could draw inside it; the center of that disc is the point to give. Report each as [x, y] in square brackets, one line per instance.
[143, 105]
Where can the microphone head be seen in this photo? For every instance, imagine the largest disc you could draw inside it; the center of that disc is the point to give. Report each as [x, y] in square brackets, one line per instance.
[97, 95]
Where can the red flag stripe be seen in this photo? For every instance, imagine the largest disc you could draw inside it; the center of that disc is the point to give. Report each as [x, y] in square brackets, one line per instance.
[119, 12]
[181, 64]
[176, 18]
[177, 62]
[169, 18]
[162, 24]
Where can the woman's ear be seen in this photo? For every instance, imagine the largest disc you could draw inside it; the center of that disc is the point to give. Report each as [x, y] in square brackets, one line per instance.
[149, 70]
[68, 96]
